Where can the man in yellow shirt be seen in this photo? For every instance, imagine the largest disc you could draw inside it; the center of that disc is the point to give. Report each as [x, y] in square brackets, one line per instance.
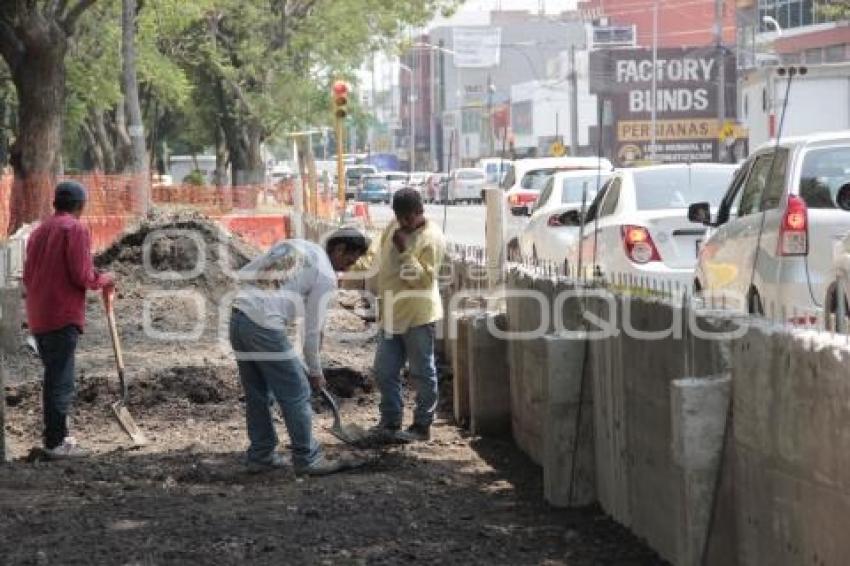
[409, 254]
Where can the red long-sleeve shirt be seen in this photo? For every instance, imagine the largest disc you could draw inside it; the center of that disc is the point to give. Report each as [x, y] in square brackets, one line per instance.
[57, 273]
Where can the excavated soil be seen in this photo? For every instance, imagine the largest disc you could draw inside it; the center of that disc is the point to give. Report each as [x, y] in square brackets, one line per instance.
[187, 499]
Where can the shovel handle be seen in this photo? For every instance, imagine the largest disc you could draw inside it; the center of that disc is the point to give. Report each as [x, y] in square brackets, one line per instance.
[334, 407]
[108, 302]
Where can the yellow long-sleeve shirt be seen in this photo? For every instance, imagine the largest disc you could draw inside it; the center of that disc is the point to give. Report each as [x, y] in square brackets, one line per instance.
[407, 283]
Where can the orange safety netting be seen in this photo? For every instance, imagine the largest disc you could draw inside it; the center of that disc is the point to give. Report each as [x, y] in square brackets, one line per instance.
[257, 213]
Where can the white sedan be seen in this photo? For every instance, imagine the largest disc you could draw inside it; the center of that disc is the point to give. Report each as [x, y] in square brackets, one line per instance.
[637, 225]
[550, 230]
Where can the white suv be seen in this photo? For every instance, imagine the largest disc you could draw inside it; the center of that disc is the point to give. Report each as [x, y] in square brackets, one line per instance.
[771, 250]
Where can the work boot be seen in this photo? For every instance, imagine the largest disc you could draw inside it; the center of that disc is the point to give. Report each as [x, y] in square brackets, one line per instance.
[324, 466]
[383, 432]
[69, 449]
[415, 433]
[274, 462]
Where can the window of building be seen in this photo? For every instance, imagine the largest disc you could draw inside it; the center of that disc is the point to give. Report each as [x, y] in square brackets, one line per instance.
[814, 55]
[835, 53]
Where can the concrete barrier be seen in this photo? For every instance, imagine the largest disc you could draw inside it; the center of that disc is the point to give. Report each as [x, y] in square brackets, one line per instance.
[460, 367]
[567, 429]
[792, 447]
[489, 380]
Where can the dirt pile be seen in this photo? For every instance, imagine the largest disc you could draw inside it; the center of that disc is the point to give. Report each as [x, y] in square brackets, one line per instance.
[175, 250]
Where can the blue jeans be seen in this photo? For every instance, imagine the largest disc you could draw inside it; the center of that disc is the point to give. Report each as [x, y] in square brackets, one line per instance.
[57, 349]
[415, 346]
[267, 380]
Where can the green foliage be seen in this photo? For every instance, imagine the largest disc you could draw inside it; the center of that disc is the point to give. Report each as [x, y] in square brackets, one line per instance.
[195, 178]
[836, 9]
[210, 66]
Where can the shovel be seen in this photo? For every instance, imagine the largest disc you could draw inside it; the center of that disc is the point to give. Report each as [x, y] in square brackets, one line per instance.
[350, 434]
[119, 407]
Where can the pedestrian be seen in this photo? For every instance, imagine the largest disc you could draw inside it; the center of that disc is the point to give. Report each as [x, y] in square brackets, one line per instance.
[57, 273]
[409, 255]
[294, 279]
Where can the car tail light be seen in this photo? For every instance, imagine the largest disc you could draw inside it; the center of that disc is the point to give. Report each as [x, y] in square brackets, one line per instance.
[518, 199]
[554, 221]
[639, 245]
[794, 228]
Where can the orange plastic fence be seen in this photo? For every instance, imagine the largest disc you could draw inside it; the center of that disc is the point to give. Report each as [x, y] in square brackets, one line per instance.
[262, 231]
[242, 210]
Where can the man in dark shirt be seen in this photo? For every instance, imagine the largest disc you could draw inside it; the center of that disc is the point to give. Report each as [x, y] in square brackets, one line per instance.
[57, 273]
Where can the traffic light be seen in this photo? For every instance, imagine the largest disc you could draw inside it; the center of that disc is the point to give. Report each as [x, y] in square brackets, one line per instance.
[339, 92]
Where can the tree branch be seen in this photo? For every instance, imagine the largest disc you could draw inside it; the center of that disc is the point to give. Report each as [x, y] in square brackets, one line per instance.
[11, 47]
[70, 19]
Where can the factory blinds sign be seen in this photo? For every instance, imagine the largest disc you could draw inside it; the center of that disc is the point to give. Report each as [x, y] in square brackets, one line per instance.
[476, 47]
[685, 101]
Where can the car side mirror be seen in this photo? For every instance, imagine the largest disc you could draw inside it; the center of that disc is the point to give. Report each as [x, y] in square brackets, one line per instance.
[571, 218]
[700, 212]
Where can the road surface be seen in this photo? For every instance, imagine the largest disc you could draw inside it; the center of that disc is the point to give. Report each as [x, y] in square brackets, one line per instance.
[464, 224]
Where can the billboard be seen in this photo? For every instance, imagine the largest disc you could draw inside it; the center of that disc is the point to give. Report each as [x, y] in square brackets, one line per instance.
[476, 47]
[686, 102]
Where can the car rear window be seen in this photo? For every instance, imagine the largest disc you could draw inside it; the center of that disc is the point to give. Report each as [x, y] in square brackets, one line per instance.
[396, 177]
[574, 187]
[657, 189]
[470, 175]
[536, 179]
[825, 179]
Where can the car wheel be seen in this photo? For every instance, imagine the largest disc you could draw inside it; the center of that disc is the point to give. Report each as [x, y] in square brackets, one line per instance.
[514, 253]
[831, 310]
[754, 305]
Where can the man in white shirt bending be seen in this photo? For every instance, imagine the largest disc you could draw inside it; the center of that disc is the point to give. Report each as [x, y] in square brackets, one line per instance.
[294, 279]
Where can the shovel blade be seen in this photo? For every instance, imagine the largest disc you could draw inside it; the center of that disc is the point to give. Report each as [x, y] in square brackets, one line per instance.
[125, 419]
[350, 434]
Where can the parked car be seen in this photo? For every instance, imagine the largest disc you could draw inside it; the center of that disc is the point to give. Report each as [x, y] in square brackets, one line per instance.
[527, 177]
[353, 178]
[416, 180]
[636, 225]
[772, 240]
[375, 189]
[465, 185]
[495, 169]
[396, 179]
[550, 230]
[434, 187]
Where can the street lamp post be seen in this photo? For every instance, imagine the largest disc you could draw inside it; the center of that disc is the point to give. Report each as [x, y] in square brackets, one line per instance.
[412, 159]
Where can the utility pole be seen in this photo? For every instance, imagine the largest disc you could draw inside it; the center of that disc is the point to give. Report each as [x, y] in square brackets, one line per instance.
[135, 127]
[654, 117]
[573, 102]
[721, 80]
[490, 137]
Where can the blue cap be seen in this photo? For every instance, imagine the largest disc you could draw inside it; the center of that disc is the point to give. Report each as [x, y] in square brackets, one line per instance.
[70, 191]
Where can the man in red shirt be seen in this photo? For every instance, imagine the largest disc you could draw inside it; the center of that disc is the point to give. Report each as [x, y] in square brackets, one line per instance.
[57, 273]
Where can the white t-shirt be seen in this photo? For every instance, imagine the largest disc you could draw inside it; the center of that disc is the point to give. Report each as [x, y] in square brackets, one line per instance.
[294, 279]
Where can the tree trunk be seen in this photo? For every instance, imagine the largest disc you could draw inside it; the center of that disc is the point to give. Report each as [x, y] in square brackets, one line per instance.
[39, 78]
[129, 80]
[105, 145]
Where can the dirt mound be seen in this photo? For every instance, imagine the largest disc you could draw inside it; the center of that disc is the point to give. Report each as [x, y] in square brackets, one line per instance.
[346, 382]
[199, 385]
[173, 250]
